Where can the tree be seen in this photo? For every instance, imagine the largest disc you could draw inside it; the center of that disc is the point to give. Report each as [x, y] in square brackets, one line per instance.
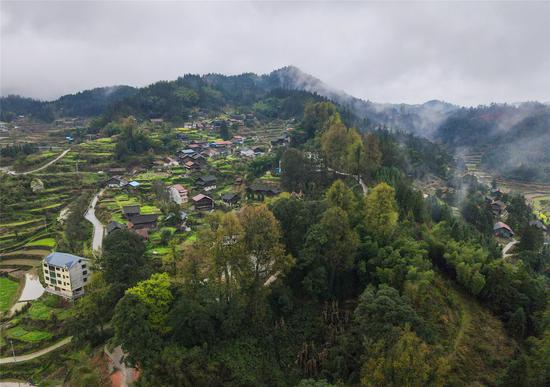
[227, 254]
[532, 239]
[77, 228]
[296, 216]
[517, 323]
[294, 171]
[317, 117]
[342, 147]
[156, 295]
[373, 156]
[381, 211]
[409, 362]
[266, 257]
[329, 251]
[224, 131]
[92, 311]
[382, 313]
[123, 261]
[134, 332]
[339, 195]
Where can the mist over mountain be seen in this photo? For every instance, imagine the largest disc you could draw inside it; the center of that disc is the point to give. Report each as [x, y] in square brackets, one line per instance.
[422, 119]
[86, 103]
[513, 138]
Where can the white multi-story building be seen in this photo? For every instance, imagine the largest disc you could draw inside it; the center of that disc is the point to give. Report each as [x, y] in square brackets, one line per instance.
[178, 193]
[66, 274]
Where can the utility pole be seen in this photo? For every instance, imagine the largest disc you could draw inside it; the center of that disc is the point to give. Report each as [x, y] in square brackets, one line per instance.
[12, 351]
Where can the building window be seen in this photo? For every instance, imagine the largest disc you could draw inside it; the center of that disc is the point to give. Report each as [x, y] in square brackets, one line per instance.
[85, 279]
[85, 272]
[83, 266]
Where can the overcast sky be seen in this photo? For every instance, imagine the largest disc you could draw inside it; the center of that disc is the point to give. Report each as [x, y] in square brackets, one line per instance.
[465, 53]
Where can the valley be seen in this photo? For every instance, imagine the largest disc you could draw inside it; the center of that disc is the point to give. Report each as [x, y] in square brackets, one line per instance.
[239, 234]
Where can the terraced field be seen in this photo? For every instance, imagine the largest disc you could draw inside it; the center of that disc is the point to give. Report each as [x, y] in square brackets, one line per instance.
[537, 194]
[29, 219]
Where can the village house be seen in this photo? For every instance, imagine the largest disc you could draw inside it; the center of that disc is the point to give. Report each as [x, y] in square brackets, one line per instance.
[258, 151]
[187, 151]
[498, 208]
[231, 198]
[502, 230]
[133, 184]
[238, 140]
[171, 162]
[210, 152]
[259, 191]
[246, 152]
[538, 224]
[221, 144]
[140, 222]
[65, 274]
[112, 226]
[178, 193]
[190, 165]
[129, 211]
[203, 202]
[157, 121]
[195, 158]
[496, 193]
[283, 139]
[207, 183]
[116, 181]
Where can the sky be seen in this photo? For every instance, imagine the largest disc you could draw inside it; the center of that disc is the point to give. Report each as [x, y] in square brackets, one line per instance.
[467, 53]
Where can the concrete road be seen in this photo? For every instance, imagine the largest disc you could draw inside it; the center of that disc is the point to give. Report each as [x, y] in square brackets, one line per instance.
[43, 166]
[99, 229]
[34, 355]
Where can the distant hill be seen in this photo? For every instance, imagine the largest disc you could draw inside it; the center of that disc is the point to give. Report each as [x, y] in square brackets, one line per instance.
[86, 103]
[422, 119]
[514, 139]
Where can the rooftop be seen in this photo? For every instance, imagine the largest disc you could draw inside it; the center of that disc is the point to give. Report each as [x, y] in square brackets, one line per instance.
[140, 219]
[63, 259]
[199, 197]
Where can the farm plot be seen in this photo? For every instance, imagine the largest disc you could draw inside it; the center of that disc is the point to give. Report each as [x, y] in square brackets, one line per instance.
[28, 216]
[27, 336]
[8, 289]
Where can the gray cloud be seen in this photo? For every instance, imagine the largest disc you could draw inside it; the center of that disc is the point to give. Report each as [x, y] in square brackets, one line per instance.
[466, 53]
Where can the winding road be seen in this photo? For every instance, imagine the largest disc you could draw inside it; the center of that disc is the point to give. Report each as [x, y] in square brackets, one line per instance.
[507, 248]
[34, 355]
[43, 166]
[359, 179]
[99, 229]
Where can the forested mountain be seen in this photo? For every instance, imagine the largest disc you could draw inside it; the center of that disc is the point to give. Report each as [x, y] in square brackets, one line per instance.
[422, 119]
[85, 104]
[514, 140]
[170, 99]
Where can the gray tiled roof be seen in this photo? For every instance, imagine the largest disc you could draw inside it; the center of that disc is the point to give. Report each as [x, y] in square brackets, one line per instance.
[63, 259]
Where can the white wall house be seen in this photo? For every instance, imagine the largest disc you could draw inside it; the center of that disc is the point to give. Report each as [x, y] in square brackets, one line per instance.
[66, 274]
[178, 193]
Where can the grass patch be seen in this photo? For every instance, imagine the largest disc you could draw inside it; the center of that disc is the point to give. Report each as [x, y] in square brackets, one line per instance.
[21, 334]
[44, 309]
[149, 210]
[46, 242]
[8, 288]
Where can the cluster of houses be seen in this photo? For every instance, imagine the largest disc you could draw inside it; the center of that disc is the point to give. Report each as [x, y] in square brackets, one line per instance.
[119, 182]
[140, 223]
[499, 211]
